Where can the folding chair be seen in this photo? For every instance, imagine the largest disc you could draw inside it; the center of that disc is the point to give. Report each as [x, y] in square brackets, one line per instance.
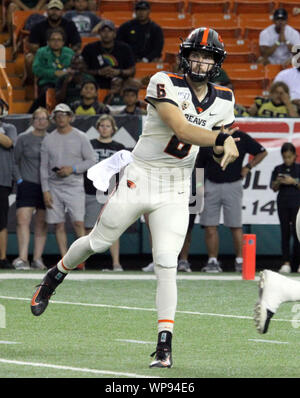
[173, 27]
[19, 18]
[246, 75]
[246, 96]
[289, 5]
[200, 6]
[253, 6]
[116, 5]
[252, 26]
[226, 25]
[239, 51]
[88, 40]
[167, 6]
[117, 17]
[50, 99]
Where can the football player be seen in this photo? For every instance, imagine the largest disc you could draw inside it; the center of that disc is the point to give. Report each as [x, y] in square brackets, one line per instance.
[184, 112]
[274, 289]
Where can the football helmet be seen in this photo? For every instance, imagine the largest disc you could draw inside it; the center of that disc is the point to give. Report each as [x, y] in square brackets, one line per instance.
[202, 39]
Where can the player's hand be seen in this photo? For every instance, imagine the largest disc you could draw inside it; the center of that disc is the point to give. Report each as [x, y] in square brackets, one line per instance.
[48, 199]
[231, 152]
[220, 149]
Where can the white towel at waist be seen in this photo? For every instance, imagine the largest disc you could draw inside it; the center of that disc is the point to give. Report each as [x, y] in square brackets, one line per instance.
[102, 172]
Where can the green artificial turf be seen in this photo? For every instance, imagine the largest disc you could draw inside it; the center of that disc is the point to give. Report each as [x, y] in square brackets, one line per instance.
[214, 335]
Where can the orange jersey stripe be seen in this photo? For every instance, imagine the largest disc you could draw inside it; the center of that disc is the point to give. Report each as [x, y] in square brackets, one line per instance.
[222, 88]
[165, 320]
[204, 37]
[172, 75]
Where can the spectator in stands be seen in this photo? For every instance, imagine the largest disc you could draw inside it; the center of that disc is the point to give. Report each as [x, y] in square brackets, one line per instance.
[66, 154]
[50, 63]
[115, 96]
[84, 19]
[277, 104]
[8, 136]
[132, 103]
[277, 40]
[22, 5]
[88, 103]
[39, 34]
[68, 86]
[223, 189]
[144, 36]
[291, 77]
[240, 111]
[104, 147]
[29, 192]
[285, 180]
[108, 58]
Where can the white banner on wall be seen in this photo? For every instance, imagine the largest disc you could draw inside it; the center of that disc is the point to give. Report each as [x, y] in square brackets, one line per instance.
[259, 200]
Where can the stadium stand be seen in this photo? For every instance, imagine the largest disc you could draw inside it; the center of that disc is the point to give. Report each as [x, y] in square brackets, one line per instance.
[239, 23]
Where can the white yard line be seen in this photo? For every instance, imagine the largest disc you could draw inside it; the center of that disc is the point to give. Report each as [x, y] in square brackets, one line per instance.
[123, 307]
[120, 276]
[72, 368]
[135, 341]
[9, 342]
[268, 341]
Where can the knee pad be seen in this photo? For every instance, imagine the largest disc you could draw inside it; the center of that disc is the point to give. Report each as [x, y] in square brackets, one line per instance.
[166, 260]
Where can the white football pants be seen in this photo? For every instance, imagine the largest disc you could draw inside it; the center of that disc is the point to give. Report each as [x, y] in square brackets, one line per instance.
[164, 195]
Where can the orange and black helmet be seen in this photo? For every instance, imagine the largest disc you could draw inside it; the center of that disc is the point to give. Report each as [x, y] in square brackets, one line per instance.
[202, 39]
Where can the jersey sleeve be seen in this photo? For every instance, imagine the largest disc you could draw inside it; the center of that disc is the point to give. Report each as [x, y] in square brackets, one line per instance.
[160, 88]
[228, 114]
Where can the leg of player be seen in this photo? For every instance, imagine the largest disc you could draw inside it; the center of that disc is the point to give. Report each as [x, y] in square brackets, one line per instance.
[115, 218]
[274, 289]
[168, 226]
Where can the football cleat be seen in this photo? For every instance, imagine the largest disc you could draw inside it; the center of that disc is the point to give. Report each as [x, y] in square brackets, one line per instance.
[163, 357]
[40, 299]
[262, 314]
[45, 290]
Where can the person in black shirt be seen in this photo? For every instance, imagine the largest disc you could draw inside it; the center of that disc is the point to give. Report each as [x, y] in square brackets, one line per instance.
[223, 189]
[285, 180]
[38, 34]
[104, 147]
[108, 58]
[144, 36]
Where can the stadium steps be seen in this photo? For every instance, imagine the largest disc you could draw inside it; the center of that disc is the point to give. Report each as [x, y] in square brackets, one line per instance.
[22, 95]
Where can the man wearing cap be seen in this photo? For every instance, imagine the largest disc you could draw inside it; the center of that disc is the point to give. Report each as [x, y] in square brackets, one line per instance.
[108, 58]
[38, 34]
[144, 36]
[66, 154]
[277, 40]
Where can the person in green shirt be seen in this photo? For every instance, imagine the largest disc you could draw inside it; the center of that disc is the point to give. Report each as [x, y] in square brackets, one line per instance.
[50, 63]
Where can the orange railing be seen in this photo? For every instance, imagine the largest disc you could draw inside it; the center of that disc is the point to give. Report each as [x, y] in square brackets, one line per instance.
[8, 85]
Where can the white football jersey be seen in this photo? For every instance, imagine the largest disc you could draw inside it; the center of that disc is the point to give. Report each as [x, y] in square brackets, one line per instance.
[158, 146]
